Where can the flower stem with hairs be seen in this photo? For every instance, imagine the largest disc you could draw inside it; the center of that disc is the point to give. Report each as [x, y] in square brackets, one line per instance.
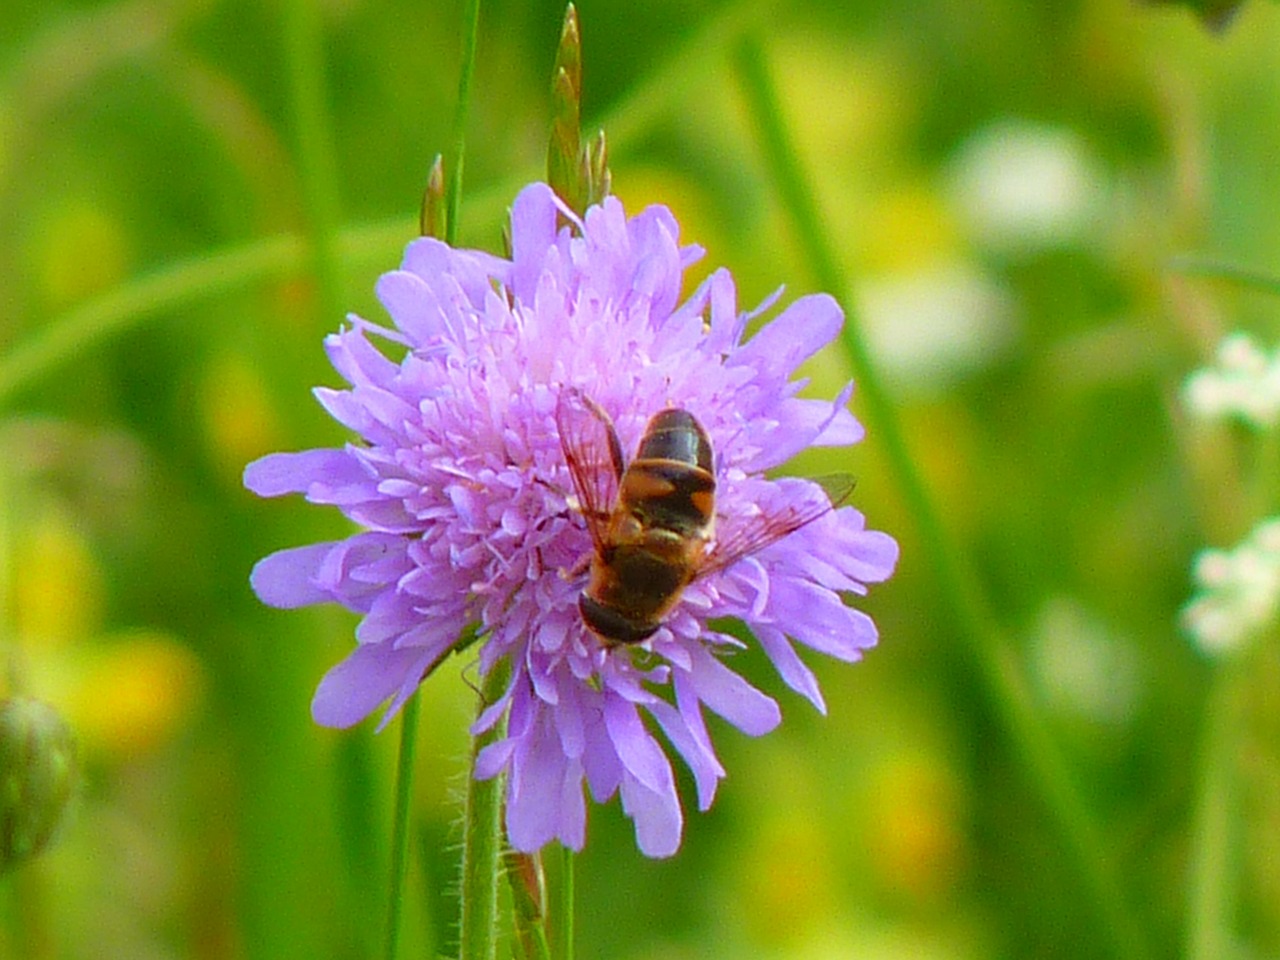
[482, 841]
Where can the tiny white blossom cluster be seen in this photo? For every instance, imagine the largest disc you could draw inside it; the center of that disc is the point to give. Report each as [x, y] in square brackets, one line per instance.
[1244, 383]
[1239, 591]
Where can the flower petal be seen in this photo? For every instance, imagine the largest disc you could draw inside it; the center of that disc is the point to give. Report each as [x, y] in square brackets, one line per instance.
[281, 473]
[353, 689]
[732, 697]
[412, 305]
[533, 231]
[287, 578]
[695, 749]
[638, 751]
[800, 331]
[794, 672]
[544, 794]
[817, 618]
[659, 822]
[493, 759]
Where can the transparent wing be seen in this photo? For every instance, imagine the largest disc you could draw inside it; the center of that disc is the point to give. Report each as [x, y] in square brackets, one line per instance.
[593, 454]
[740, 537]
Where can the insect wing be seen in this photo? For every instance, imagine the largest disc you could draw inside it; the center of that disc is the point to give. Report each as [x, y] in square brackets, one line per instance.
[743, 536]
[593, 454]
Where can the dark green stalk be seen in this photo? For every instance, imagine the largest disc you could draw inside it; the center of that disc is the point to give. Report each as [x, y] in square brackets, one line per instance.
[400, 826]
[991, 652]
[471, 31]
[1193, 266]
[482, 840]
[1211, 888]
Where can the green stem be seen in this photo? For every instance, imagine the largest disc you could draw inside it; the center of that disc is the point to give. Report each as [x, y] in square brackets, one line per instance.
[304, 54]
[1211, 888]
[482, 843]
[482, 840]
[471, 31]
[566, 904]
[477, 849]
[400, 829]
[1194, 266]
[361, 841]
[989, 649]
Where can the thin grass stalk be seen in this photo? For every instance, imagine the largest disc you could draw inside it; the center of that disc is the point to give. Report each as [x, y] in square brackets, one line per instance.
[453, 196]
[1209, 269]
[1211, 890]
[986, 644]
[78, 330]
[400, 825]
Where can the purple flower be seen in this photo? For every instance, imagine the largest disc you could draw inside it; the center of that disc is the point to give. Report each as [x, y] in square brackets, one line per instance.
[461, 486]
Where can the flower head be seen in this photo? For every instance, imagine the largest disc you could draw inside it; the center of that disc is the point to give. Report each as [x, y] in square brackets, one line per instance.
[39, 776]
[461, 485]
[1239, 591]
[1243, 384]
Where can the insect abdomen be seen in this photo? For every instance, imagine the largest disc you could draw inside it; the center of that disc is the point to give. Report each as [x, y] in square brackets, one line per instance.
[670, 484]
[674, 434]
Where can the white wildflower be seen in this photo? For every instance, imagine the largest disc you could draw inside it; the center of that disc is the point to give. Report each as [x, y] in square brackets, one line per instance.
[1243, 383]
[1239, 591]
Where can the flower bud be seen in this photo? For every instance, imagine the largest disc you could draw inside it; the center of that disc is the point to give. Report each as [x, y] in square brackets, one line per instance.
[39, 772]
[431, 219]
[576, 169]
[564, 150]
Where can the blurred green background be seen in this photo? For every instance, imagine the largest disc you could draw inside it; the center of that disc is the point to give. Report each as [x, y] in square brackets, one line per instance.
[1005, 183]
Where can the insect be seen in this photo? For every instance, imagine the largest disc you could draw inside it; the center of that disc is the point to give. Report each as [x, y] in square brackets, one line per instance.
[653, 521]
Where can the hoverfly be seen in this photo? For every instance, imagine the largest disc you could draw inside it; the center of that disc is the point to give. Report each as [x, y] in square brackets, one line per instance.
[652, 521]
